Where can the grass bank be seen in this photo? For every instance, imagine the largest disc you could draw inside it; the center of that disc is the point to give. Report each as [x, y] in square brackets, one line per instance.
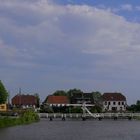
[25, 118]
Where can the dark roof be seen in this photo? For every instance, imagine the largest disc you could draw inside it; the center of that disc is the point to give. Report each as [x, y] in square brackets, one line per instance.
[113, 97]
[57, 99]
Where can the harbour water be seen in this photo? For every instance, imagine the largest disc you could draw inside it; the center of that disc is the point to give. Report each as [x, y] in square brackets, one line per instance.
[74, 130]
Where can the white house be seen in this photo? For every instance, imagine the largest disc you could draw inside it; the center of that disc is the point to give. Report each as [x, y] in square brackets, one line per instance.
[114, 102]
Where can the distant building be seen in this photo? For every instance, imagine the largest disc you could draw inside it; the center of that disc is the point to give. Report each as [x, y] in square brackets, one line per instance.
[24, 101]
[114, 102]
[79, 98]
[3, 107]
[57, 100]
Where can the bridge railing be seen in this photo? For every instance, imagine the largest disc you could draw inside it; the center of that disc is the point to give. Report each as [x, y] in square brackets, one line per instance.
[78, 115]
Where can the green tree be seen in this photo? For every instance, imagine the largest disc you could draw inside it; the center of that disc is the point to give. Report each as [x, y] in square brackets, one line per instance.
[3, 93]
[134, 107]
[97, 96]
[138, 102]
[60, 93]
[71, 92]
[74, 92]
[76, 110]
[38, 99]
[96, 109]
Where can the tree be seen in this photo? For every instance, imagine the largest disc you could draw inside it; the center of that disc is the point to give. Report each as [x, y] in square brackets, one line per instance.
[134, 107]
[38, 99]
[74, 92]
[97, 96]
[3, 93]
[96, 109]
[138, 102]
[71, 92]
[60, 93]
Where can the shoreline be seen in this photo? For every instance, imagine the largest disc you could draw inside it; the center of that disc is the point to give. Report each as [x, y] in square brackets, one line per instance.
[26, 118]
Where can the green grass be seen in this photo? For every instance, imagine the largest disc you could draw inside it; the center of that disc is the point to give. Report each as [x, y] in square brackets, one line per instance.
[25, 118]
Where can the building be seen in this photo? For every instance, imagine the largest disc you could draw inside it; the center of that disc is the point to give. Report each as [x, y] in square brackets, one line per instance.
[114, 102]
[24, 101]
[57, 100]
[3, 107]
[79, 98]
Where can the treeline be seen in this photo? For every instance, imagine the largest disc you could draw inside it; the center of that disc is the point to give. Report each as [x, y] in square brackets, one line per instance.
[134, 107]
[96, 94]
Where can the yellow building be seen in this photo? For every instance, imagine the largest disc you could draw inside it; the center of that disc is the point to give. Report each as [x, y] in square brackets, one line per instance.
[3, 107]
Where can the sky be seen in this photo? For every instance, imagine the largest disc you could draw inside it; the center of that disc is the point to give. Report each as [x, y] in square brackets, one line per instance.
[49, 45]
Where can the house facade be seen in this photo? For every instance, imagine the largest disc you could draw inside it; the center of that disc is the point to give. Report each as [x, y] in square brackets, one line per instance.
[56, 104]
[24, 101]
[114, 102]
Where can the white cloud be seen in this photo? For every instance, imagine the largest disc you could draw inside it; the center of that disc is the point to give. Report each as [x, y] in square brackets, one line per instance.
[7, 52]
[52, 28]
[68, 40]
[127, 7]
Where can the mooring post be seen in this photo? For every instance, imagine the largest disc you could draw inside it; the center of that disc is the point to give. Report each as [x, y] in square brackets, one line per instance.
[130, 118]
[63, 117]
[83, 118]
[99, 118]
[115, 118]
[51, 119]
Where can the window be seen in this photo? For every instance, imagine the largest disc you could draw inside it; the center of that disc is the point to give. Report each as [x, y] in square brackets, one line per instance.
[114, 103]
[2, 107]
[114, 108]
[122, 103]
[119, 103]
[108, 103]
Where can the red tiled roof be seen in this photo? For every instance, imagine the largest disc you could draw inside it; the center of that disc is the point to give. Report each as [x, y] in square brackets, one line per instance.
[57, 99]
[113, 97]
[24, 100]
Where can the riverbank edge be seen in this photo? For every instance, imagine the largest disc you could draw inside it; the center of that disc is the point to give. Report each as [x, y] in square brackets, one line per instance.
[26, 118]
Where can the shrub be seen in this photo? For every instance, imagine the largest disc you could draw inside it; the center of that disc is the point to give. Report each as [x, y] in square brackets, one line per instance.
[26, 118]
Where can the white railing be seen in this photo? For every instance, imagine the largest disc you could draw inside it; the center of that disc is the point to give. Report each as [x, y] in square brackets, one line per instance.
[96, 115]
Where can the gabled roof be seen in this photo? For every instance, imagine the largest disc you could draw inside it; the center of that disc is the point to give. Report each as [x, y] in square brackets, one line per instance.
[24, 99]
[57, 99]
[113, 97]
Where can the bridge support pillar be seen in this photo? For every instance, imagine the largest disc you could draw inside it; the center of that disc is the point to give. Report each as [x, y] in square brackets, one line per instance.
[63, 118]
[100, 118]
[130, 118]
[83, 118]
[51, 119]
[115, 118]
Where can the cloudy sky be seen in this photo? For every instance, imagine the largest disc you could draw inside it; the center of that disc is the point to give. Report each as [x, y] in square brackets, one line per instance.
[92, 45]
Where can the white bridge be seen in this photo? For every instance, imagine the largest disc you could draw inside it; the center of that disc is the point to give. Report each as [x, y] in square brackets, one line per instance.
[87, 114]
[93, 115]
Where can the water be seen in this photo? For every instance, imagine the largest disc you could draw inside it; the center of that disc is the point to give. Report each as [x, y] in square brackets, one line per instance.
[74, 130]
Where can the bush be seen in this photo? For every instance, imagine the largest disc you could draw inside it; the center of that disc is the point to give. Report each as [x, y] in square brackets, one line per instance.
[25, 118]
[76, 110]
